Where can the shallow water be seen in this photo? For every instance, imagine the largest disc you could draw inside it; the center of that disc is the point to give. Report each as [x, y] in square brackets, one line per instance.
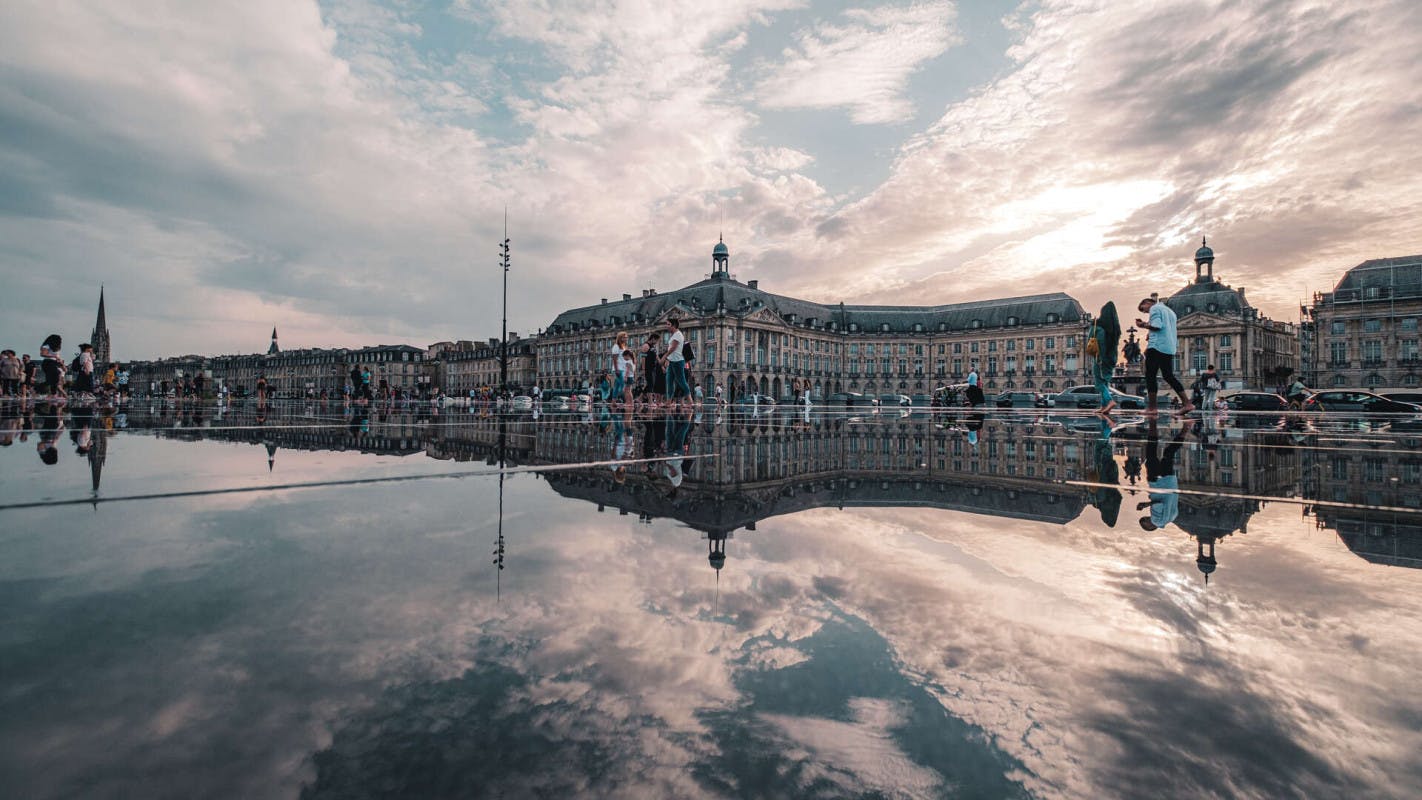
[314, 604]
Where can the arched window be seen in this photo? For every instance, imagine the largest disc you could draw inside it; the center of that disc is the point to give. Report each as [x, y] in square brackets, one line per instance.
[1373, 381]
[1011, 321]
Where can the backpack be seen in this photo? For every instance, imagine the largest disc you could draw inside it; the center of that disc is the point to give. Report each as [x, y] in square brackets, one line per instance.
[75, 365]
[686, 354]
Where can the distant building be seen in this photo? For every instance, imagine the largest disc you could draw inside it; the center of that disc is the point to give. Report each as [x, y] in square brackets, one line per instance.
[463, 369]
[750, 340]
[1365, 330]
[1218, 326]
[103, 349]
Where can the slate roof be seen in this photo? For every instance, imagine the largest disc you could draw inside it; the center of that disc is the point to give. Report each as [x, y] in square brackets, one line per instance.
[741, 299]
[1199, 296]
[1391, 277]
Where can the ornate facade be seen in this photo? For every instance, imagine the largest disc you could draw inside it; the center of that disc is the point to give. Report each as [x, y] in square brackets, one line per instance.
[1365, 331]
[750, 340]
[1217, 325]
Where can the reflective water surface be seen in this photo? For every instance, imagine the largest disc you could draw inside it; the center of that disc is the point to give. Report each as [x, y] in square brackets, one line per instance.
[306, 603]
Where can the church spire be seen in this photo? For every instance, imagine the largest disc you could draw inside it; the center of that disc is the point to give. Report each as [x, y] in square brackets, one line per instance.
[274, 349]
[100, 337]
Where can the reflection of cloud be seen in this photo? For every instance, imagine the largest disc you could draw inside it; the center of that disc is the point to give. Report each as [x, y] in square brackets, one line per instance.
[861, 750]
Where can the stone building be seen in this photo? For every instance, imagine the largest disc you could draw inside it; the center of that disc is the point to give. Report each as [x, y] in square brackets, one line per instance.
[750, 340]
[463, 369]
[1217, 325]
[289, 373]
[1365, 331]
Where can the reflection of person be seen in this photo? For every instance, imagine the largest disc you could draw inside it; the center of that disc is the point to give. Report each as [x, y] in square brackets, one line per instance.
[975, 391]
[1106, 499]
[1164, 502]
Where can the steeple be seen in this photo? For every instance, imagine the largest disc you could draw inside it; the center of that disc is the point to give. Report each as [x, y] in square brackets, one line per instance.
[100, 336]
[274, 349]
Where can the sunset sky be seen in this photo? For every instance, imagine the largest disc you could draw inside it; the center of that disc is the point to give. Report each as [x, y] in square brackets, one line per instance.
[340, 170]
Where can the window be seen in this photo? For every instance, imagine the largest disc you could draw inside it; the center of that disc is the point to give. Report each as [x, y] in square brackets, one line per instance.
[1226, 340]
[1050, 343]
[973, 347]
[1407, 350]
[1338, 328]
[957, 366]
[1070, 342]
[868, 349]
[1408, 324]
[1339, 380]
[1372, 351]
[1338, 353]
[1011, 345]
[1011, 321]
[1198, 359]
[1226, 364]
[957, 348]
[1372, 326]
[992, 346]
[992, 364]
[1031, 344]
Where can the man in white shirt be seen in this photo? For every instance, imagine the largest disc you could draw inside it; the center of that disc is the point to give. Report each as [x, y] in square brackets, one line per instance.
[1160, 352]
[675, 363]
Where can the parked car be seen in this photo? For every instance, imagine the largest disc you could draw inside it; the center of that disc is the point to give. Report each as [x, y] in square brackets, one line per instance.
[895, 400]
[1020, 400]
[755, 399]
[1256, 401]
[1413, 396]
[1357, 400]
[851, 399]
[1086, 396]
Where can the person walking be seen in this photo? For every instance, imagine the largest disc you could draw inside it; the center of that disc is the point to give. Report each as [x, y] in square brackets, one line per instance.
[975, 391]
[53, 367]
[1160, 352]
[9, 374]
[1210, 386]
[1105, 338]
[619, 368]
[674, 361]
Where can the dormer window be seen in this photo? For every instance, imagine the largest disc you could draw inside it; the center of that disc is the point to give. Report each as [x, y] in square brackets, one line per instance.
[942, 326]
[1052, 317]
[1011, 321]
[977, 323]
[853, 327]
[1211, 308]
[884, 327]
[918, 327]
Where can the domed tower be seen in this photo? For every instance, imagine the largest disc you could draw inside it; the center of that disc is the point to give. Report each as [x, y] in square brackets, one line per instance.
[720, 260]
[1204, 260]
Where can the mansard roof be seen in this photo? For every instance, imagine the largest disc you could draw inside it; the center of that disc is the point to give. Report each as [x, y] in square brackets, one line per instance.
[1379, 278]
[741, 299]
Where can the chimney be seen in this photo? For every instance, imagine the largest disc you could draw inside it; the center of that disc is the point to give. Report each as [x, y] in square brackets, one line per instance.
[626, 296]
[646, 292]
[604, 301]
[753, 284]
[652, 292]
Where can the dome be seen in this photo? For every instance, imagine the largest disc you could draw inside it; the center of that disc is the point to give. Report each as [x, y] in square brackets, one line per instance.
[720, 249]
[1204, 252]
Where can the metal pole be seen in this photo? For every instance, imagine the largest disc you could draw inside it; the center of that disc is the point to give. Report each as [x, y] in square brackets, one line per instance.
[504, 338]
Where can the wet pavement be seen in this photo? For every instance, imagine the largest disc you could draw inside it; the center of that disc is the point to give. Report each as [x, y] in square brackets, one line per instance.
[309, 603]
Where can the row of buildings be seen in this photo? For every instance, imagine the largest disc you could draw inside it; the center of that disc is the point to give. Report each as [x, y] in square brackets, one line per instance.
[746, 339]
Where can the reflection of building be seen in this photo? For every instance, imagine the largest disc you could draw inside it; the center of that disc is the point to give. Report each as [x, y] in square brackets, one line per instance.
[1217, 325]
[1365, 331]
[748, 339]
[1354, 489]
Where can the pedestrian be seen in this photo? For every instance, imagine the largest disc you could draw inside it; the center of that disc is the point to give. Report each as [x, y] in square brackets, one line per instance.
[629, 376]
[1160, 353]
[84, 374]
[1164, 499]
[720, 393]
[1210, 386]
[1105, 338]
[652, 371]
[29, 368]
[619, 369]
[124, 376]
[975, 390]
[1298, 392]
[53, 367]
[674, 362]
[10, 372]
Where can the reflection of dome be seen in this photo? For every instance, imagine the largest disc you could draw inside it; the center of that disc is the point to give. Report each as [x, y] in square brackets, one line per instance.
[717, 560]
[1207, 564]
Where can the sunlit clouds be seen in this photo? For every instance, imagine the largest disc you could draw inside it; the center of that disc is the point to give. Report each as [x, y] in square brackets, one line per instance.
[341, 170]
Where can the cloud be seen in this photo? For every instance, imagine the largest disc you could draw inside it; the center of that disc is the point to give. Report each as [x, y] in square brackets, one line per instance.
[862, 63]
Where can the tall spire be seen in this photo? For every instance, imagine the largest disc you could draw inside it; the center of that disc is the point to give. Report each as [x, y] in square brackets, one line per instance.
[100, 337]
[274, 349]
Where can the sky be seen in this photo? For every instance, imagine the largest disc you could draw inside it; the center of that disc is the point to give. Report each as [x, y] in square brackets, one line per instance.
[341, 170]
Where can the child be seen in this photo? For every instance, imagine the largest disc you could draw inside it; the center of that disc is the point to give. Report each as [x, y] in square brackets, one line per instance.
[629, 375]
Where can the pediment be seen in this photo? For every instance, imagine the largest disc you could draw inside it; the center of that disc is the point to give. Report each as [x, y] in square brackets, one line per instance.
[1204, 319]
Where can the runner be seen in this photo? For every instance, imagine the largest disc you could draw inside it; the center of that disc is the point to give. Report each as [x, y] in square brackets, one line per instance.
[1160, 353]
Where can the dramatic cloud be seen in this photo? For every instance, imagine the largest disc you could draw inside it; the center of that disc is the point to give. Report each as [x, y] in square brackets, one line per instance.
[341, 170]
[862, 63]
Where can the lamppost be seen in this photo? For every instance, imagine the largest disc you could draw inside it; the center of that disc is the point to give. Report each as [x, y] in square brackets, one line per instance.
[504, 331]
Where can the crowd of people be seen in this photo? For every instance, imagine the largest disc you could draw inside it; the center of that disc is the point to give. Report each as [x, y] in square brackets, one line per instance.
[49, 379]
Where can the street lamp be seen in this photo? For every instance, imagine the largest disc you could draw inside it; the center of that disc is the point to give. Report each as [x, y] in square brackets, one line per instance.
[504, 331]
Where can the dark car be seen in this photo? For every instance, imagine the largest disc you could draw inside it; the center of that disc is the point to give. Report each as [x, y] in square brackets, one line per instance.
[1357, 400]
[1403, 395]
[1256, 401]
[851, 399]
[1020, 400]
[1086, 396]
